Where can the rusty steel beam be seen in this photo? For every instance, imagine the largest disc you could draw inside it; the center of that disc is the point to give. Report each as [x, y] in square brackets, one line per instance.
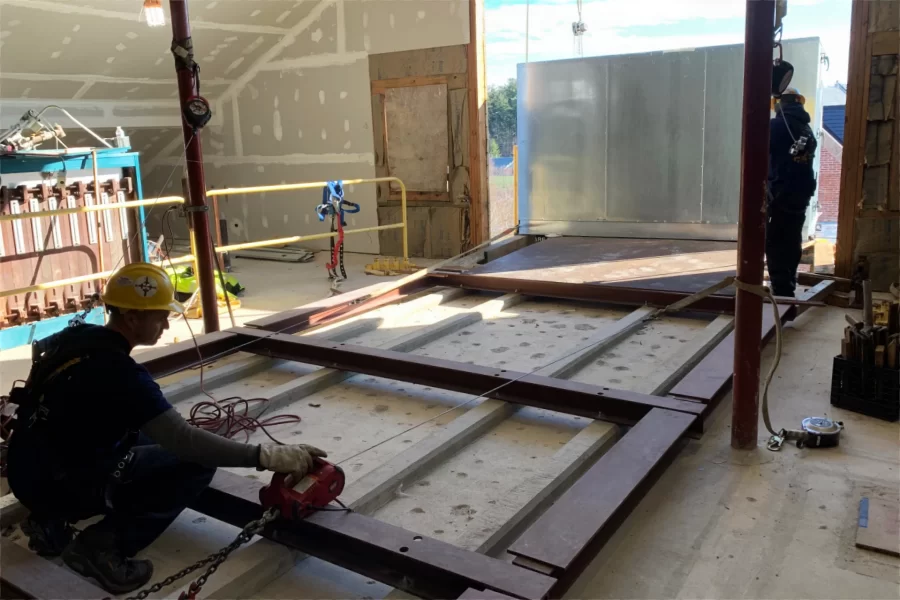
[343, 306]
[187, 354]
[592, 292]
[752, 221]
[585, 292]
[566, 537]
[188, 87]
[711, 378]
[559, 395]
[414, 563]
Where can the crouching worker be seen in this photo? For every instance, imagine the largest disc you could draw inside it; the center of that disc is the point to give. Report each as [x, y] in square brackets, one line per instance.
[94, 435]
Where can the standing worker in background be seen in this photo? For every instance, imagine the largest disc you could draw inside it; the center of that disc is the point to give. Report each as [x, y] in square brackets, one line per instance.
[94, 435]
[792, 182]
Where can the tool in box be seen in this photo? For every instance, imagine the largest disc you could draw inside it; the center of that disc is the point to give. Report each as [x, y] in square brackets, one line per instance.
[865, 376]
[876, 339]
[282, 498]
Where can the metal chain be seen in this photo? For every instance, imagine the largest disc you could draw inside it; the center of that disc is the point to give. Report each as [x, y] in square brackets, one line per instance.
[213, 560]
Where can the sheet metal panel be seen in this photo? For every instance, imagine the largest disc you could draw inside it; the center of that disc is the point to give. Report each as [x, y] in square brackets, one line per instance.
[656, 138]
[641, 145]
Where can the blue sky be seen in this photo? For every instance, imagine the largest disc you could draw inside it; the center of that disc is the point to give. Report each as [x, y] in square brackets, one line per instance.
[627, 26]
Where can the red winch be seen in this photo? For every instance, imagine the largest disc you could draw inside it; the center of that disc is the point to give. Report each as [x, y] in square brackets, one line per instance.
[295, 500]
[281, 498]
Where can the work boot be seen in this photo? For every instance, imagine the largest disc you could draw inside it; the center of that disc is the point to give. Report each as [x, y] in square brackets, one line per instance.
[95, 554]
[47, 538]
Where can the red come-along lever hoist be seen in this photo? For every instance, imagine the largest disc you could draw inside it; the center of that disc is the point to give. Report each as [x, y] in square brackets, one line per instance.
[282, 498]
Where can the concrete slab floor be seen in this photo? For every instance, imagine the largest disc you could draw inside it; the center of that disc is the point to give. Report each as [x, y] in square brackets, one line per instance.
[726, 524]
[718, 524]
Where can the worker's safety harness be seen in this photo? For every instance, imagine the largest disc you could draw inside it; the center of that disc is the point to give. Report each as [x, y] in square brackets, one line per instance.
[334, 204]
[51, 358]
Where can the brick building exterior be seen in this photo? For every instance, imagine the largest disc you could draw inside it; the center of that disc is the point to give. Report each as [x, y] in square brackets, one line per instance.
[831, 151]
[829, 178]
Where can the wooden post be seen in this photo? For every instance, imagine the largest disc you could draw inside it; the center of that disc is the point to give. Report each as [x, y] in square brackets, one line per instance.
[854, 153]
[477, 86]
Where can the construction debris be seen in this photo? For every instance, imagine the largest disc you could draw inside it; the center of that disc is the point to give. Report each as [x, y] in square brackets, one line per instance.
[289, 254]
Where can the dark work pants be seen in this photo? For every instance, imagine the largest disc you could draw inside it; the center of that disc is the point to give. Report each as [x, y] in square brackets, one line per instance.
[159, 486]
[784, 246]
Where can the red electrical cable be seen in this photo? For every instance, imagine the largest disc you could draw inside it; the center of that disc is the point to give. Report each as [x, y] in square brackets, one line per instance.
[230, 416]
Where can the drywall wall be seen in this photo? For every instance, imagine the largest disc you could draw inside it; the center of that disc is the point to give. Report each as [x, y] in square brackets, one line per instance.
[303, 112]
[289, 82]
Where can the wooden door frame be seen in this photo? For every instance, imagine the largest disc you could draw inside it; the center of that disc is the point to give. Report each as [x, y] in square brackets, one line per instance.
[864, 46]
[478, 138]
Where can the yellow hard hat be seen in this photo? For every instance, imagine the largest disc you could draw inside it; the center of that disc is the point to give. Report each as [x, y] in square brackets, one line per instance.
[141, 286]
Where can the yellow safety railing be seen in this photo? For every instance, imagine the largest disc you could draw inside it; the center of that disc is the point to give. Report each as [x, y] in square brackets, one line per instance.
[515, 185]
[79, 279]
[286, 187]
[222, 249]
[94, 208]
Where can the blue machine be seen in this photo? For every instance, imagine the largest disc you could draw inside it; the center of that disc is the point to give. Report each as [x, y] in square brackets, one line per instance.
[38, 162]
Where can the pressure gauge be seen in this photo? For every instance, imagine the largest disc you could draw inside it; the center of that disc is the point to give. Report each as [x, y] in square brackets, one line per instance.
[197, 112]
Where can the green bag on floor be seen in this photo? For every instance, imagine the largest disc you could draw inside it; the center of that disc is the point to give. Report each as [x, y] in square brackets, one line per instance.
[185, 282]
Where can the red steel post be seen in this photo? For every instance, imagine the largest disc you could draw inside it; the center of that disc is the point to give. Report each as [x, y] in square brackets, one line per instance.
[752, 224]
[181, 32]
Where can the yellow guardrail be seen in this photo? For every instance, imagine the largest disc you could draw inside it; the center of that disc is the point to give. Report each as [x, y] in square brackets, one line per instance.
[79, 279]
[94, 208]
[286, 187]
[221, 249]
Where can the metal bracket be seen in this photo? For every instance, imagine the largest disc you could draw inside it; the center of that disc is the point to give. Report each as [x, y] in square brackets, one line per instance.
[191, 209]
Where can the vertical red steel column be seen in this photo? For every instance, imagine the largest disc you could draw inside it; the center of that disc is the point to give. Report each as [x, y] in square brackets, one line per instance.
[752, 223]
[181, 32]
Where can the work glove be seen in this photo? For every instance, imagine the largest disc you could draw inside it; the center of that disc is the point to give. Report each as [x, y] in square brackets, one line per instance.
[296, 459]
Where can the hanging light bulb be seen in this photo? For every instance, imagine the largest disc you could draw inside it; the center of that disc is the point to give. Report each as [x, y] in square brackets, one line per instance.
[153, 13]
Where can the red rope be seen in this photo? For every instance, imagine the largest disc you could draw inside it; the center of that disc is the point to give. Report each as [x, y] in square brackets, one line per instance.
[231, 416]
